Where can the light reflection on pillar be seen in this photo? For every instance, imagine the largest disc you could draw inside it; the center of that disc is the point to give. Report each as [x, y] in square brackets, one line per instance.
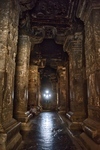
[46, 127]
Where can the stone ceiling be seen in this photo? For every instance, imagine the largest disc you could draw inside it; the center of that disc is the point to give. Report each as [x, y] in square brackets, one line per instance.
[57, 13]
[47, 20]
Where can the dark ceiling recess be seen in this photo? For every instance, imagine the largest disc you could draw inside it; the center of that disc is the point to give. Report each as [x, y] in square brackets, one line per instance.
[53, 55]
[50, 20]
[48, 76]
[50, 51]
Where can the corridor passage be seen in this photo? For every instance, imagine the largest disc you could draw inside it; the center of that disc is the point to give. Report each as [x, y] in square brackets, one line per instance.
[48, 133]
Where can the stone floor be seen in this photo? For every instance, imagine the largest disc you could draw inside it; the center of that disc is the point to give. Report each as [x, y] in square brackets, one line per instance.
[48, 133]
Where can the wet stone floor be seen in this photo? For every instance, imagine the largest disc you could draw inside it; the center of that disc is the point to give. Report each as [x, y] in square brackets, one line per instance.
[48, 133]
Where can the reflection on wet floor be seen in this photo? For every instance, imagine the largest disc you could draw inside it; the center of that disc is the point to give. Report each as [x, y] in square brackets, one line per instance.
[48, 133]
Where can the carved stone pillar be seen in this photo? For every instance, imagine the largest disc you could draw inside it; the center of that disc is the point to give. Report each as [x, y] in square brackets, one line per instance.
[90, 14]
[62, 88]
[21, 83]
[10, 137]
[77, 113]
[54, 94]
[33, 85]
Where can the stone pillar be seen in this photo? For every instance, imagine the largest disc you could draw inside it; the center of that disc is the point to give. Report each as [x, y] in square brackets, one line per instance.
[77, 108]
[90, 14]
[38, 91]
[10, 137]
[57, 87]
[53, 102]
[33, 85]
[21, 83]
[67, 87]
[62, 88]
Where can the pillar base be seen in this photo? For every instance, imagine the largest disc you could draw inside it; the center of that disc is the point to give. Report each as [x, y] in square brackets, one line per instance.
[23, 116]
[92, 129]
[74, 120]
[25, 126]
[25, 119]
[88, 142]
[11, 138]
[74, 125]
[62, 112]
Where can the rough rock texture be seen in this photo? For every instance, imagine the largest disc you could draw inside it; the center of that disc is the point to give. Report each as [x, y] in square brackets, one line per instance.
[76, 87]
[92, 46]
[9, 128]
[90, 16]
[22, 72]
[73, 45]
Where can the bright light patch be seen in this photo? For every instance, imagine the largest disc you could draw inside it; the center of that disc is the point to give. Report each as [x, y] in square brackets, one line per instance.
[44, 95]
[47, 94]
